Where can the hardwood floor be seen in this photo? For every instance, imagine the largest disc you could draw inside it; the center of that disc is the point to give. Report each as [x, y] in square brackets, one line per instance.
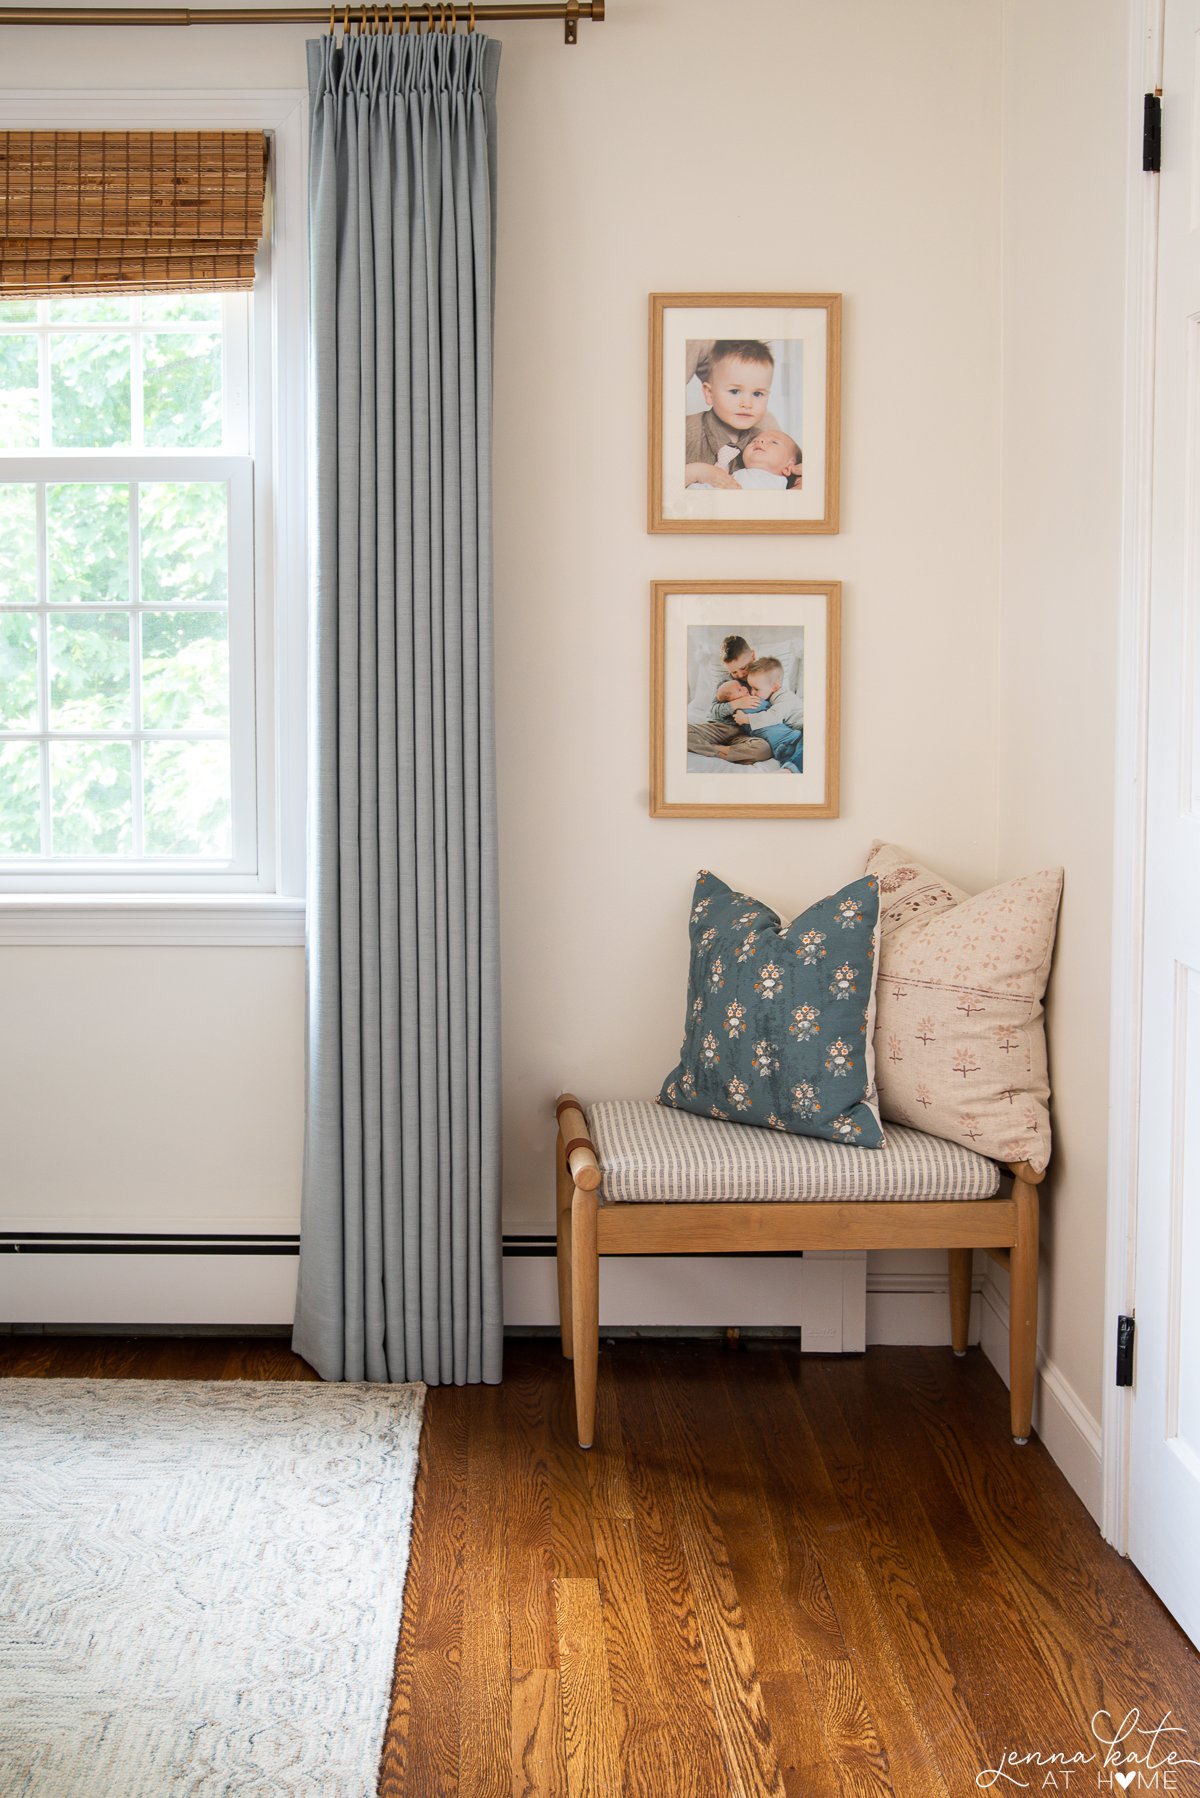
[773, 1574]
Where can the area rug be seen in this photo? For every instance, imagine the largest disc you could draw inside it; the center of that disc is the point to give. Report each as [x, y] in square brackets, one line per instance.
[200, 1585]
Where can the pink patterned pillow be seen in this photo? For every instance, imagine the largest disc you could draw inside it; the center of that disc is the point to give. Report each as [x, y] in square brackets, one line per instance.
[960, 1046]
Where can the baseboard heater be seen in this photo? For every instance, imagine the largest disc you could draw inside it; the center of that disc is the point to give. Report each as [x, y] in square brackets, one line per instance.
[147, 1277]
[197, 1277]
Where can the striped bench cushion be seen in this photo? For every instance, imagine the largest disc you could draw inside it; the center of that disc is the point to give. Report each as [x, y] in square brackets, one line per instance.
[649, 1153]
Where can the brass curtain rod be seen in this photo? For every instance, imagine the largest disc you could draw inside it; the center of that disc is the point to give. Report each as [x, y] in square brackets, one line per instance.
[443, 17]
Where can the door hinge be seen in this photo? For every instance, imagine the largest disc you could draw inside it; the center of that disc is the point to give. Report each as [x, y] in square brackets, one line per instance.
[1125, 1328]
[1152, 134]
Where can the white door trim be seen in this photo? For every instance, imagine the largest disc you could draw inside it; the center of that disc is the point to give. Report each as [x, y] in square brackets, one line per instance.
[1129, 831]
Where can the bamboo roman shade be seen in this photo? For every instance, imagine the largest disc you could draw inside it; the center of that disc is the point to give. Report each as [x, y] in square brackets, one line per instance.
[90, 212]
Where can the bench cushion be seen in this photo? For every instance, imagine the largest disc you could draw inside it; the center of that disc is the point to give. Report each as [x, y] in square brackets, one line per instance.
[650, 1154]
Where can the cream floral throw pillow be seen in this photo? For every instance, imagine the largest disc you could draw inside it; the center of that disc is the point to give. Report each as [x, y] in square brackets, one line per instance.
[960, 1047]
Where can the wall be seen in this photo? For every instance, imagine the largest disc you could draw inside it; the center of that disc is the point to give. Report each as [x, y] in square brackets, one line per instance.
[1066, 160]
[622, 171]
[645, 189]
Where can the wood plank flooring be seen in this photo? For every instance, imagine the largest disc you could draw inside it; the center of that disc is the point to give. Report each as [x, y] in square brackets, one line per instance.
[772, 1575]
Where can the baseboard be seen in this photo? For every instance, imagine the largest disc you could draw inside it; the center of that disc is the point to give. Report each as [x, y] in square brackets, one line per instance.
[914, 1309]
[821, 1295]
[1064, 1424]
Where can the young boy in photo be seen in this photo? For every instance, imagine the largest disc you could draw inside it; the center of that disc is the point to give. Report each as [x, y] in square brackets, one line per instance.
[737, 392]
[718, 734]
[777, 715]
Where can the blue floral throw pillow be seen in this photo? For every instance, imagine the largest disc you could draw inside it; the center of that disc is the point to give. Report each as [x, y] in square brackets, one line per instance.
[781, 1018]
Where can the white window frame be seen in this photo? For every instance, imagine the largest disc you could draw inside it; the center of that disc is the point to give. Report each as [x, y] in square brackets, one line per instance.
[37, 907]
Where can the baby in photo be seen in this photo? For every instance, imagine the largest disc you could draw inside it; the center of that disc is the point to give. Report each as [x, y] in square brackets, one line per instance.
[772, 460]
[777, 714]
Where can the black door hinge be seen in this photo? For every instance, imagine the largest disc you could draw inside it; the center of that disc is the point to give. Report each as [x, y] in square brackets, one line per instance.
[1125, 1328]
[1152, 134]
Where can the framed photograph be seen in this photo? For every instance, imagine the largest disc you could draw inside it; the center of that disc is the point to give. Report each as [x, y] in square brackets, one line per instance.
[744, 699]
[745, 411]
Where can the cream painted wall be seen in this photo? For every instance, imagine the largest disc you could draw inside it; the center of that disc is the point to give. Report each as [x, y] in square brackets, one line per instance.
[151, 1089]
[623, 175]
[826, 147]
[1066, 162]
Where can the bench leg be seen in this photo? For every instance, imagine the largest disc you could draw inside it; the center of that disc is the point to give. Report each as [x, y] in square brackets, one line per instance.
[960, 1298]
[564, 1191]
[1023, 1309]
[585, 1310]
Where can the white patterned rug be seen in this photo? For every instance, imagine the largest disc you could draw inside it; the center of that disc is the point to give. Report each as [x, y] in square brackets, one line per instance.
[200, 1585]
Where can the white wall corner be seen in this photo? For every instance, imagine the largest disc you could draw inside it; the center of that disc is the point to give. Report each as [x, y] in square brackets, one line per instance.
[1064, 1425]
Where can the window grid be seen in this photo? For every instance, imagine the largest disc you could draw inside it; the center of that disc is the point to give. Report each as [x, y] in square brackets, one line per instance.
[233, 329]
[234, 476]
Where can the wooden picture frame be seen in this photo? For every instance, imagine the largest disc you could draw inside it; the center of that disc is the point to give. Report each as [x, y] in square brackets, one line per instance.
[700, 419]
[796, 625]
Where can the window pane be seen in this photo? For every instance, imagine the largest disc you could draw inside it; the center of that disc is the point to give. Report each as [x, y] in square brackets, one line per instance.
[18, 312]
[181, 377]
[20, 799]
[187, 805]
[18, 543]
[87, 532]
[185, 670]
[18, 671]
[19, 419]
[185, 541]
[91, 798]
[95, 310]
[89, 390]
[89, 671]
[185, 308]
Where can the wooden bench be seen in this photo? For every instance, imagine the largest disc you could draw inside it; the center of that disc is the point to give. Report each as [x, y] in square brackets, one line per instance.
[704, 1210]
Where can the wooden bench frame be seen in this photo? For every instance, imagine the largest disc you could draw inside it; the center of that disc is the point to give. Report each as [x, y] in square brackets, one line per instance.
[1006, 1227]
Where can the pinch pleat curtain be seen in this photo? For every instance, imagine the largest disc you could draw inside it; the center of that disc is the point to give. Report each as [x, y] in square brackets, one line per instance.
[400, 1234]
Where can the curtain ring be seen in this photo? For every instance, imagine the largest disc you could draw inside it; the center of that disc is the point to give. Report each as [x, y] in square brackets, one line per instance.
[346, 22]
[429, 18]
[375, 21]
[391, 26]
[471, 17]
[453, 19]
[332, 20]
[407, 20]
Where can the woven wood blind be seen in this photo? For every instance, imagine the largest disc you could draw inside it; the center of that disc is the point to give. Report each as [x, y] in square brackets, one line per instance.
[90, 212]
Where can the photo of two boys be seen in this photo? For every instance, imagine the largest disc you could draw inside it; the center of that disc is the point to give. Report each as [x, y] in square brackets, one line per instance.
[744, 414]
[745, 700]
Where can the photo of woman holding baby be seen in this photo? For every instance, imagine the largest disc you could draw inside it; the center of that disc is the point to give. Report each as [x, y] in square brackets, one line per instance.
[744, 412]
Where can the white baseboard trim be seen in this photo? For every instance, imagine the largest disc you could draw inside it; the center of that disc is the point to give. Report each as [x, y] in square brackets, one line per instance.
[914, 1309]
[1066, 1427]
[821, 1295]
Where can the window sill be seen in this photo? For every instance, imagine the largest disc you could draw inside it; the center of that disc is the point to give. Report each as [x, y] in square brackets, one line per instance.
[133, 920]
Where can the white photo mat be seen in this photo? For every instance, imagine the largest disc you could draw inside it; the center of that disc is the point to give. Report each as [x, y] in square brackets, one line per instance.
[806, 614]
[808, 326]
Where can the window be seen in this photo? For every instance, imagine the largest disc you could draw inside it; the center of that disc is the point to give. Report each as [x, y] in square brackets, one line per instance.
[127, 727]
[153, 572]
